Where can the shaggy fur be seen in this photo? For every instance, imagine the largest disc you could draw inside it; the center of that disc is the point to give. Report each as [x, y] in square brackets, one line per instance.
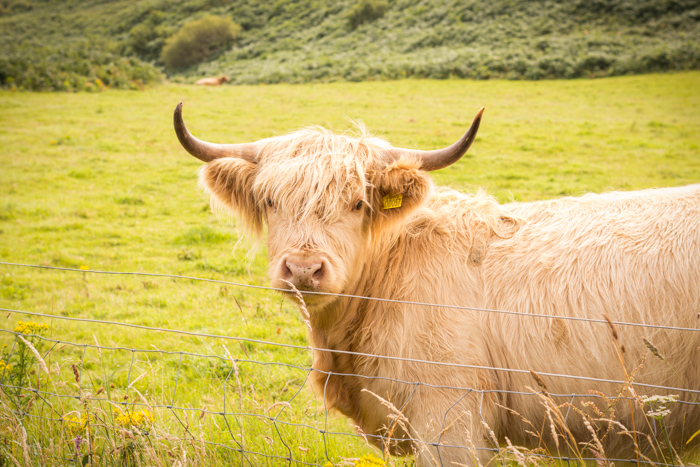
[632, 256]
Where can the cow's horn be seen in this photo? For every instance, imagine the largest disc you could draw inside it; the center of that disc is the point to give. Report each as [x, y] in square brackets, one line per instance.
[207, 152]
[441, 158]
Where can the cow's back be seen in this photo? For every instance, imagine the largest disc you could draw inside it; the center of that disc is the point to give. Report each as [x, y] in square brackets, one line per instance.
[633, 256]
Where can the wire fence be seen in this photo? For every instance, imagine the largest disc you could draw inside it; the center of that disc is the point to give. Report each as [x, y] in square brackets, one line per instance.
[49, 395]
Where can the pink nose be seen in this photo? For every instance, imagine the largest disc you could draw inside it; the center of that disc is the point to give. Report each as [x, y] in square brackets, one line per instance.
[304, 273]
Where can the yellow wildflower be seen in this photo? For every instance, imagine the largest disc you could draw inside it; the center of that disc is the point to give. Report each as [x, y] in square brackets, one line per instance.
[4, 366]
[130, 418]
[30, 327]
[77, 424]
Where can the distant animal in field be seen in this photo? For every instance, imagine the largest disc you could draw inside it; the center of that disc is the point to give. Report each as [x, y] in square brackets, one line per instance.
[357, 216]
[216, 81]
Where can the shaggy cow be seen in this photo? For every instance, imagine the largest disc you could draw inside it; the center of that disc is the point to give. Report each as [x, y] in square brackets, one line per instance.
[356, 216]
[217, 81]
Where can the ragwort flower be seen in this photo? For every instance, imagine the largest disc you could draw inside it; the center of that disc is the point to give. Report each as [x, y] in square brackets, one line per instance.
[129, 419]
[30, 327]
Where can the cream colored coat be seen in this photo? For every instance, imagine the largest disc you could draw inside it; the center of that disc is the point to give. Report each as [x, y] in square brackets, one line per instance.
[634, 257]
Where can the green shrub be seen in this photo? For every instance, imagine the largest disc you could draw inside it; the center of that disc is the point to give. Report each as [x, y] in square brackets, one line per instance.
[11, 7]
[88, 64]
[199, 40]
[365, 11]
[146, 39]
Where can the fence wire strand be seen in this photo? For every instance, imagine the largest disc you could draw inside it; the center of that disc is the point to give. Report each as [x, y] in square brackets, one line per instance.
[385, 300]
[358, 354]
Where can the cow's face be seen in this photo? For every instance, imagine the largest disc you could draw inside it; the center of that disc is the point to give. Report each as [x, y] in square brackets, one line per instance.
[322, 197]
[314, 203]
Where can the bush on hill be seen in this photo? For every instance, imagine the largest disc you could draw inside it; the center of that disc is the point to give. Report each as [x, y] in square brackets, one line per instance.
[11, 7]
[87, 65]
[199, 40]
[146, 39]
[365, 11]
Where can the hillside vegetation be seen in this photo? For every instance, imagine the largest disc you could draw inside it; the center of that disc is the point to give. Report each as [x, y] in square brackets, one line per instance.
[69, 44]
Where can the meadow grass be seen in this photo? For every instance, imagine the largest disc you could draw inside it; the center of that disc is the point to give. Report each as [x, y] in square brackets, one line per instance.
[99, 181]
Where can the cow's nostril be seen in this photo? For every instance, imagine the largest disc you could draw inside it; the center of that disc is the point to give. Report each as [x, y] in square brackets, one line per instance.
[287, 271]
[319, 273]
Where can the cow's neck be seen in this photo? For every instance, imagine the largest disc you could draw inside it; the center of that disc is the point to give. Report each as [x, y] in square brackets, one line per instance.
[338, 326]
[350, 326]
[411, 262]
[335, 323]
[403, 263]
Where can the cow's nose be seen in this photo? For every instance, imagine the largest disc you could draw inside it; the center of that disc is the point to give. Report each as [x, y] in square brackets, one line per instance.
[305, 274]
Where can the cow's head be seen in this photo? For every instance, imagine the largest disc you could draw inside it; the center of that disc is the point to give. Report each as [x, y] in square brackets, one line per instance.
[322, 196]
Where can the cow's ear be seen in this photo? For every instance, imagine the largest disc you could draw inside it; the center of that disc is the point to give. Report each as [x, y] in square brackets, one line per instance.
[230, 182]
[397, 190]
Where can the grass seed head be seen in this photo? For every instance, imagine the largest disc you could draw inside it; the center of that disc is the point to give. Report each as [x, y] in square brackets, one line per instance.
[540, 382]
[613, 328]
[653, 349]
[36, 354]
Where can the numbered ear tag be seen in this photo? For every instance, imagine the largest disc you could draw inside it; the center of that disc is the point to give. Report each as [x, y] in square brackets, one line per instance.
[392, 201]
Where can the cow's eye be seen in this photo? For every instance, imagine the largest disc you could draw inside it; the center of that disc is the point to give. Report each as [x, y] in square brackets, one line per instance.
[269, 202]
[358, 205]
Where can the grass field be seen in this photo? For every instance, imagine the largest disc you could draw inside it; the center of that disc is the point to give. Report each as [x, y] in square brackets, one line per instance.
[99, 181]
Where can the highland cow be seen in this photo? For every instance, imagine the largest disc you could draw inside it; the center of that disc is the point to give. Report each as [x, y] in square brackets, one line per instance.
[453, 380]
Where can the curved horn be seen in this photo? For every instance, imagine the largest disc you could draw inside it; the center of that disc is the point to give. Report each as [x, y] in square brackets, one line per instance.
[441, 158]
[207, 152]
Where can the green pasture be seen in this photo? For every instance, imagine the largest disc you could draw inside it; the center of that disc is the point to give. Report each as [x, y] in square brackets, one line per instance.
[98, 181]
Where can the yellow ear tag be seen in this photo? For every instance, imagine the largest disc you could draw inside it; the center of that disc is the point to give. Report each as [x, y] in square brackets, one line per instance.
[392, 201]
